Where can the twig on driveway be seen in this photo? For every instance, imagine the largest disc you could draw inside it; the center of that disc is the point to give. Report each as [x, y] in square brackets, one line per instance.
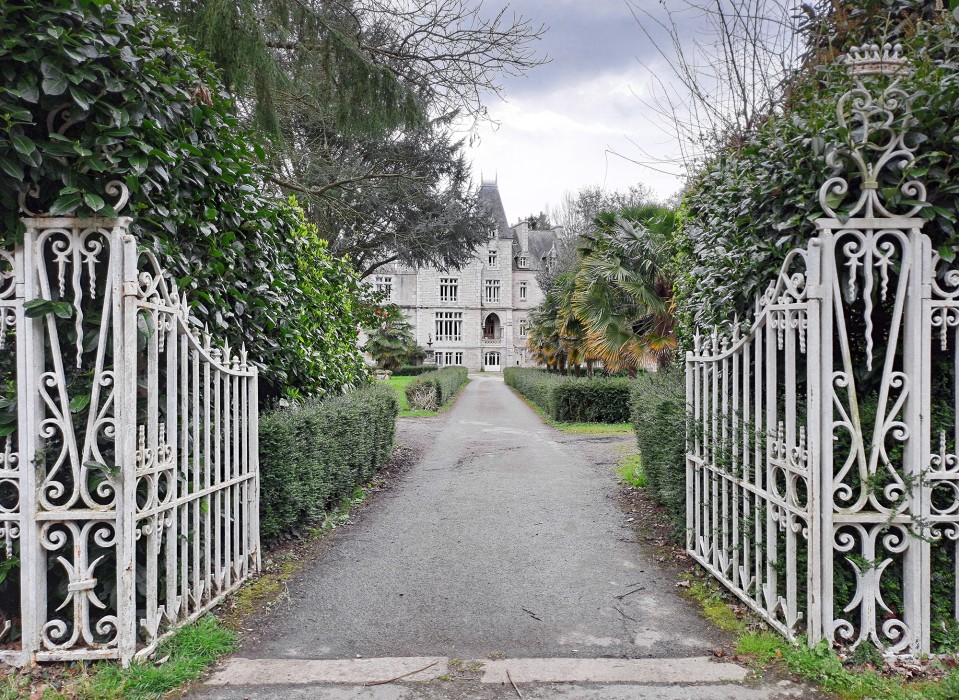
[518, 694]
[635, 590]
[617, 609]
[411, 673]
[532, 614]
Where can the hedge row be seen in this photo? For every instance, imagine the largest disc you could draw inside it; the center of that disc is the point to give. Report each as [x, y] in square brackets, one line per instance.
[572, 399]
[413, 370]
[314, 454]
[659, 419]
[431, 390]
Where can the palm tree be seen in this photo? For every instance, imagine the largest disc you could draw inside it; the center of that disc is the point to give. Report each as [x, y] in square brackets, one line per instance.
[623, 296]
[391, 343]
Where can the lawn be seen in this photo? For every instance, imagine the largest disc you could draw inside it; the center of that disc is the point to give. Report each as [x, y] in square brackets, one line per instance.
[399, 386]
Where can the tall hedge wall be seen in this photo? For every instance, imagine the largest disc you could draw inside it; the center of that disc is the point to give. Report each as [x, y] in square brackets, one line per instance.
[659, 419]
[431, 390]
[314, 454]
[572, 399]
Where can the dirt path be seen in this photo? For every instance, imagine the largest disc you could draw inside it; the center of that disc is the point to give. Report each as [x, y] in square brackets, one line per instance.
[503, 546]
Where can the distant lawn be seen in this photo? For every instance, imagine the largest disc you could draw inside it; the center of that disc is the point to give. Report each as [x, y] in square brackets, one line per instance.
[399, 386]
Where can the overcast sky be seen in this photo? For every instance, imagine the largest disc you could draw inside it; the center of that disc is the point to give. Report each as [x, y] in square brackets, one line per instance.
[561, 127]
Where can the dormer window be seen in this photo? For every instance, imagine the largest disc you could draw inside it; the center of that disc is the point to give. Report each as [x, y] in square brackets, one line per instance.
[523, 262]
[491, 232]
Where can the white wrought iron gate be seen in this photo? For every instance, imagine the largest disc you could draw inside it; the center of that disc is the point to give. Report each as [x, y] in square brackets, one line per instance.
[128, 449]
[822, 464]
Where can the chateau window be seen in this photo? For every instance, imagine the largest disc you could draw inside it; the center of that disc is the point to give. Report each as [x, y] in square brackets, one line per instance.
[523, 261]
[384, 284]
[450, 357]
[493, 262]
[449, 288]
[491, 232]
[492, 291]
[522, 291]
[523, 328]
[449, 325]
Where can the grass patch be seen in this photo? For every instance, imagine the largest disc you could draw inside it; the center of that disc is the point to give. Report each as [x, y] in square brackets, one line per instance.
[819, 665]
[716, 610]
[399, 386]
[630, 471]
[188, 653]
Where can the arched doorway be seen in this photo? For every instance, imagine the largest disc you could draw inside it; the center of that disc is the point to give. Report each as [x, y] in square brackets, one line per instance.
[492, 329]
[491, 361]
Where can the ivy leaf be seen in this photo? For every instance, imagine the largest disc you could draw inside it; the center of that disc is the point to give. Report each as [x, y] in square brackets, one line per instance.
[37, 308]
[95, 202]
[111, 469]
[54, 81]
[22, 144]
[947, 253]
[78, 403]
[11, 168]
[65, 204]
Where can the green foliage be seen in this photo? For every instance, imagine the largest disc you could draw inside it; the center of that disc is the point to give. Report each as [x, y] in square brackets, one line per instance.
[571, 399]
[316, 453]
[659, 419]
[188, 653]
[92, 92]
[630, 472]
[821, 665]
[613, 303]
[751, 205]
[412, 370]
[325, 66]
[434, 389]
[391, 342]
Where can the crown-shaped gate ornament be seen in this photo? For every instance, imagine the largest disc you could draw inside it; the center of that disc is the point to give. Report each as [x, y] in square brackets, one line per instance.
[871, 59]
[877, 128]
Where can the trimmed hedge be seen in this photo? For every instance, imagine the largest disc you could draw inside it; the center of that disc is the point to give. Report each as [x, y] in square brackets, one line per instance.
[314, 454]
[431, 390]
[659, 419]
[573, 399]
[413, 370]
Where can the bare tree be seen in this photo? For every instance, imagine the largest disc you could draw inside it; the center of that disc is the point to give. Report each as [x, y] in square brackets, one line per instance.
[721, 68]
[359, 99]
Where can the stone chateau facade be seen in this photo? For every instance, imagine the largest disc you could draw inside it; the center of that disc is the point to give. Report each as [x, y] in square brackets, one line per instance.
[476, 316]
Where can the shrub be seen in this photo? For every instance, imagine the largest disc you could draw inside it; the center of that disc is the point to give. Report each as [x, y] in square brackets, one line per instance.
[413, 370]
[314, 454]
[572, 399]
[92, 92]
[431, 390]
[658, 403]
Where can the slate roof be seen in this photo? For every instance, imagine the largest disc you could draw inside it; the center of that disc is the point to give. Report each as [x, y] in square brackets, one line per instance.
[490, 198]
[540, 243]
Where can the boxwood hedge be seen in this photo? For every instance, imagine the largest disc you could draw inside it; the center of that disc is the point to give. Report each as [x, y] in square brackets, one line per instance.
[659, 419]
[413, 370]
[314, 454]
[572, 399]
[431, 390]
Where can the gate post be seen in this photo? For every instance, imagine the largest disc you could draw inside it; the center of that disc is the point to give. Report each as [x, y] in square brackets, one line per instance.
[818, 294]
[125, 336]
[33, 580]
[917, 354]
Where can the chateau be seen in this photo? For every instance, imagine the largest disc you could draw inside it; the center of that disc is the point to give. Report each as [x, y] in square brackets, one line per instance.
[477, 316]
